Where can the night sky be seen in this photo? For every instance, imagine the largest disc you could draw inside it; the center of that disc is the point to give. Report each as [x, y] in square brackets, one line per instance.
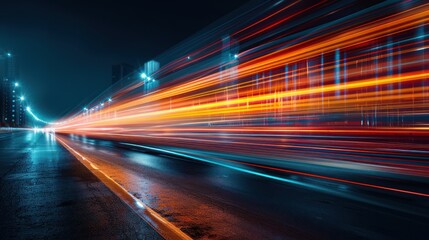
[65, 49]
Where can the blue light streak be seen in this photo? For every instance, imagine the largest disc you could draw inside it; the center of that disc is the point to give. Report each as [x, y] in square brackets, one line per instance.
[35, 117]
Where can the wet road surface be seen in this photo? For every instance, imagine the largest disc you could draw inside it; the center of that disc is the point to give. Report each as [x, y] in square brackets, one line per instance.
[211, 201]
[45, 193]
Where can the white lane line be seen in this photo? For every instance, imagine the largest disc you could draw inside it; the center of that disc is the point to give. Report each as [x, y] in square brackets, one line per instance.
[165, 228]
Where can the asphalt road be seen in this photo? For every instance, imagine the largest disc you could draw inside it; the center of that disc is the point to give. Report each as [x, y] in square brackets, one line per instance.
[213, 200]
[45, 193]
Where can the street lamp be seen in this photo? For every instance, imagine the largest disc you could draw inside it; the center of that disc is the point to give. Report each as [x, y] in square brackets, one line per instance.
[16, 84]
[22, 98]
[144, 76]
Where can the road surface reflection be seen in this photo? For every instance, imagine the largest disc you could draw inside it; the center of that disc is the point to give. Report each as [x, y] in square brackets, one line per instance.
[221, 196]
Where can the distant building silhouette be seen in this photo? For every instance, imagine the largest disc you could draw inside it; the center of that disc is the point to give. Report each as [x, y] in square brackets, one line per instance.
[150, 70]
[151, 67]
[121, 71]
[12, 112]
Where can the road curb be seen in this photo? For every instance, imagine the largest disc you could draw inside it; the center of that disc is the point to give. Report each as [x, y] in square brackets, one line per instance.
[165, 228]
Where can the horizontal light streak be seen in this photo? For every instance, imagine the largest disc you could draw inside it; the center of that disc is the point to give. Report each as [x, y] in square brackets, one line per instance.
[352, 94]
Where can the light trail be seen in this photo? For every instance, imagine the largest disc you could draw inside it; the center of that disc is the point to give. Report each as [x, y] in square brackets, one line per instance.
[296, 83]
[28, 109]
[282, 179]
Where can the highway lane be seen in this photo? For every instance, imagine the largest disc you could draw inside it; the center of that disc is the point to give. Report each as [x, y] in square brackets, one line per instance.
[45, 193]
[212, 200]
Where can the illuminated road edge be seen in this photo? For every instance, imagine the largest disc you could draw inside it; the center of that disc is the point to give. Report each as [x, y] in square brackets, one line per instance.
[160, 224]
